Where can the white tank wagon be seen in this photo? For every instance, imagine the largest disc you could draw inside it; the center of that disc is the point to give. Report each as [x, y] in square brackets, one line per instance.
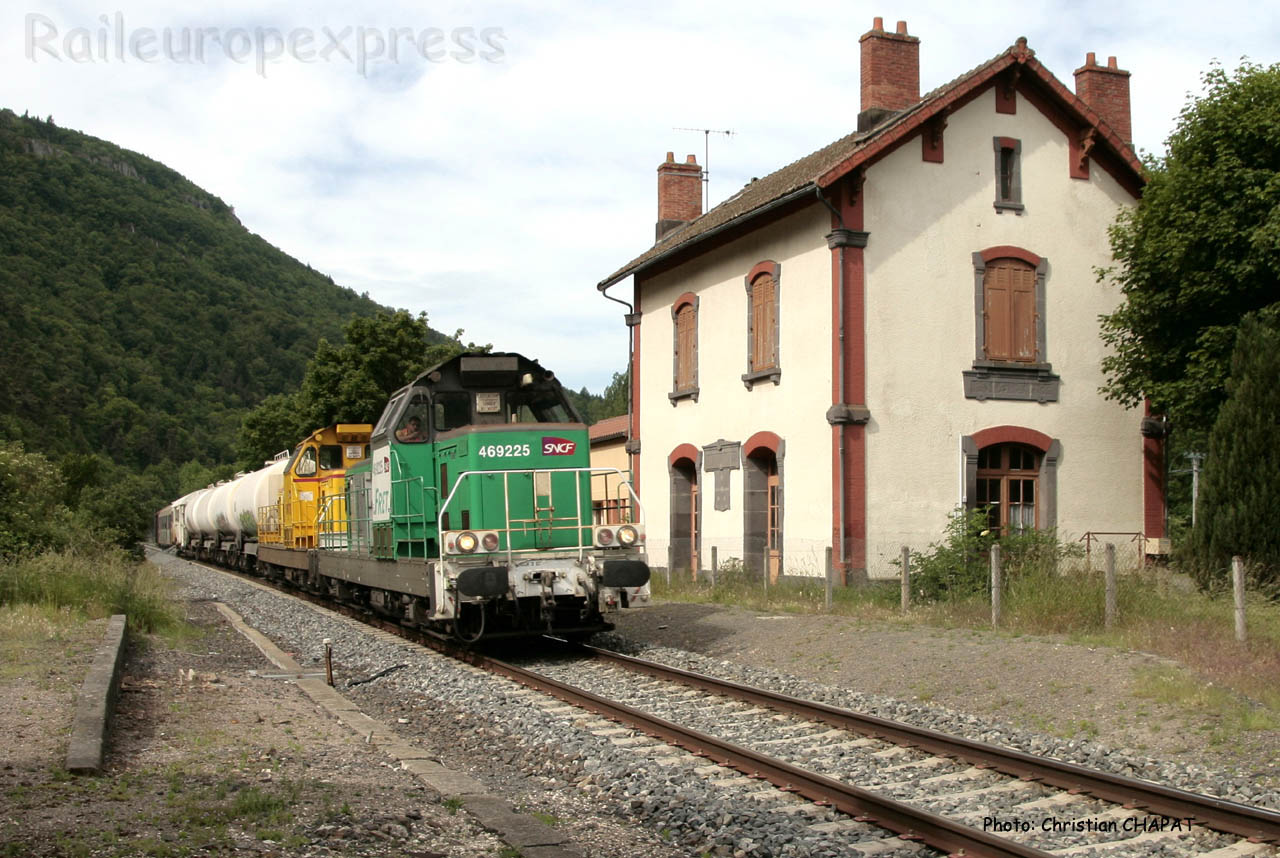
[183, 515]
[222, 518]
[235, 505]
[200, 518]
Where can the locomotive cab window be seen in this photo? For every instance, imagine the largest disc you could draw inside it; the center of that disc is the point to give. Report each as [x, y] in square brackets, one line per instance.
[534, 405]
[388, 414]
[306, 466]
[412, 426]
[330, 457]
[451, 410]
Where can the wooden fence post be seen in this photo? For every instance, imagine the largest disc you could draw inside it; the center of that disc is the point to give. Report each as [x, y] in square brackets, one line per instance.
[715, 564]
[1237, 585]
[995, 584]
[906, 579]
[1110, 610]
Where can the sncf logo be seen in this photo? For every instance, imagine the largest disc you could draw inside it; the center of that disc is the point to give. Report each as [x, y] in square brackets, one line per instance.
[552, 446]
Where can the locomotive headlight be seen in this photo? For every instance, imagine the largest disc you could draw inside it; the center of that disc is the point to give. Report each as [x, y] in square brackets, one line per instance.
[604, 536]
[628, 535]
[467, 542]
[489, 541]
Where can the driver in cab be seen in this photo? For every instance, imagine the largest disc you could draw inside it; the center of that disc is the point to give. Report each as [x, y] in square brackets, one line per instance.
[411, 431]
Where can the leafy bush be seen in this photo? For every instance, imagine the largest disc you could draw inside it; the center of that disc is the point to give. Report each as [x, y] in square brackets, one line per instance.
[960, 565]
[32, 515]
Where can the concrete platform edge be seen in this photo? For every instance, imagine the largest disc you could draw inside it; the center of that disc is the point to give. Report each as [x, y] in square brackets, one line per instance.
[97, 701]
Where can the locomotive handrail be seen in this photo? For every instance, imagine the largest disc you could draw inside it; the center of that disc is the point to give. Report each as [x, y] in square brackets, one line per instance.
[506, 496]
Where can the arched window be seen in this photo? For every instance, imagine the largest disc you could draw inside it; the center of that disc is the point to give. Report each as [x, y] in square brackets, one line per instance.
[1009, 311]
[684, 315]
[762, 455]
[762, 323]
[1010, 360]
[1008, 486]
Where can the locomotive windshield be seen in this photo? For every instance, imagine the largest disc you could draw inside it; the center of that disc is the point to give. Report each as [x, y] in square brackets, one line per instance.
[533, 405]
[475, 390]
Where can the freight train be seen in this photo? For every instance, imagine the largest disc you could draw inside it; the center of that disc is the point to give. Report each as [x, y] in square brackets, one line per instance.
[466, 511]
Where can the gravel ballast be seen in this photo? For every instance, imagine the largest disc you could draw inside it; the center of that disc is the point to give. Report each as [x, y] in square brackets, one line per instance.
[552, 766]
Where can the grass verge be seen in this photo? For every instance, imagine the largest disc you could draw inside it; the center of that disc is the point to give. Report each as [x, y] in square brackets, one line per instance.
[70, 586]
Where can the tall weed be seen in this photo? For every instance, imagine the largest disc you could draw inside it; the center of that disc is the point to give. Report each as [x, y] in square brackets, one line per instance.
[101, 584]
[959, 567]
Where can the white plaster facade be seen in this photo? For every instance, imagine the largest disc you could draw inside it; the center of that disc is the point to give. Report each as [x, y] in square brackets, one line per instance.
[921, 329]
[725, 409]
[924, 223]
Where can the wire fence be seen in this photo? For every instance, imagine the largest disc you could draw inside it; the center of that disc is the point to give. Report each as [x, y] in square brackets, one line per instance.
[1131, 553]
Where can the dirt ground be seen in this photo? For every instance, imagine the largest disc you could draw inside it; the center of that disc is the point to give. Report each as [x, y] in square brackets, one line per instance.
[1041, 684]
[205, 759]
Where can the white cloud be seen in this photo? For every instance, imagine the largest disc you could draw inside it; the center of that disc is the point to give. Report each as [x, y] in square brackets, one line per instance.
[495, 195]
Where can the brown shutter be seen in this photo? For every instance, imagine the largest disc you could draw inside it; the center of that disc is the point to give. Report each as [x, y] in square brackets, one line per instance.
[1009, 290]
[763, 298]
[685, 328]
[1023, 306]
[995, 288]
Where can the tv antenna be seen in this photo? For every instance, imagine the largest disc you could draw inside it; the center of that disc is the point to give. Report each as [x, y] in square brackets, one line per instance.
[706, 160]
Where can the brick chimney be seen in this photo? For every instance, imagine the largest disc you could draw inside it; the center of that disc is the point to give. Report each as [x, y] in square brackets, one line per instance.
[679, 194]
[1106, 90]
[890, 73]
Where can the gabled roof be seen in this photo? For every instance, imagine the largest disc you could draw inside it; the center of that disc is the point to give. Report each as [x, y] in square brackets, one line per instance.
[815, 172]
[608, 429]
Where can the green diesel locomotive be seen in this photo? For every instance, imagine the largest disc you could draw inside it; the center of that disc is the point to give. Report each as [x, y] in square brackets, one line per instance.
[473, 515]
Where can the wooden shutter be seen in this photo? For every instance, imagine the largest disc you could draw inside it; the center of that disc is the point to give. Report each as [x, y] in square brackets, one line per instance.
[686, 328]
[1022, 303]
[1009, 292]
[763, 300]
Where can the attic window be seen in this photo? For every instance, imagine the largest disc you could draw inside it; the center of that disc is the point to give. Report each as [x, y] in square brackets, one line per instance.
[1008, 170]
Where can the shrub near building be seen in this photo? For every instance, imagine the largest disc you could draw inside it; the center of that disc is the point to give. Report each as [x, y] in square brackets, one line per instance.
[1241, 485]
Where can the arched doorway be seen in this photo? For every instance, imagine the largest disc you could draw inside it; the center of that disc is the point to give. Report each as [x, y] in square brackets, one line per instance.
[685, 509]
[762, 488]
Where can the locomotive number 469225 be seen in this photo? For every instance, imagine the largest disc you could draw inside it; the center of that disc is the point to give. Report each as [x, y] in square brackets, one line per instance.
[501, 451]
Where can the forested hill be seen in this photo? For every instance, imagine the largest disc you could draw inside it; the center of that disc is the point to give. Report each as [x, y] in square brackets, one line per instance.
[138, 318]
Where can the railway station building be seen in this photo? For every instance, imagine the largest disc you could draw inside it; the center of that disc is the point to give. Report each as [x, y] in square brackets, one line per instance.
[900, 324]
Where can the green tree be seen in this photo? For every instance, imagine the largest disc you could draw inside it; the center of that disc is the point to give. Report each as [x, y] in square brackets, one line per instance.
[32, 515]
[1200, 251]
[1240, 486]
[276, 424]
[348, 383]
[615, 396]
[351, 383]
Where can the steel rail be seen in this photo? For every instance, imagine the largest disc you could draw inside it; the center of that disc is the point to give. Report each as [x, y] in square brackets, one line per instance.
[910, 823]
[1217, 813]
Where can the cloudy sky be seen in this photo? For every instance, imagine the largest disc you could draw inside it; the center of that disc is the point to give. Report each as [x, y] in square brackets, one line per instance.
[502, 163]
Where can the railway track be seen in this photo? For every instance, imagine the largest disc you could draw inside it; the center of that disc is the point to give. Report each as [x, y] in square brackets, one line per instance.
[927, 788]
[1116, 813]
